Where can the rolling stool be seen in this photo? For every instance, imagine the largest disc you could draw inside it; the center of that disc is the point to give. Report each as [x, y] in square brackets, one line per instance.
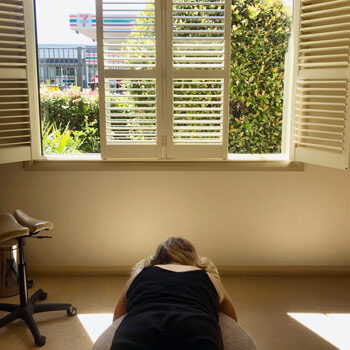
[26, 226]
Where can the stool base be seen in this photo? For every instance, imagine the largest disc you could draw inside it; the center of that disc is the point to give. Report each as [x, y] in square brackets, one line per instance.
[26, 313]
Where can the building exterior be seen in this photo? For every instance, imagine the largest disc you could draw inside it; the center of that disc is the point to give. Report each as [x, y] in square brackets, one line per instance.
[85, 24]
[65, 65]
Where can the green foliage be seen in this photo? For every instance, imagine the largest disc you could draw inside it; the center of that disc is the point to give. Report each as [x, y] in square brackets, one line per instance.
[259, 41]
[91, 136]
[75, 111]
[56, 141]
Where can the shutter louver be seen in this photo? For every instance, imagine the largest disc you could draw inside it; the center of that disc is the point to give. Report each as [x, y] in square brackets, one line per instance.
[125, 123]
[129, 78]
[198, 111]
[322, 87]
[199, 38]
[198, 34]
[15, 130]
[321, 108]
[129, 34]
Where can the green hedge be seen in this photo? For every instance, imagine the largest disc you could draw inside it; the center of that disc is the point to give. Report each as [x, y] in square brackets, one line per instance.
[259, 41]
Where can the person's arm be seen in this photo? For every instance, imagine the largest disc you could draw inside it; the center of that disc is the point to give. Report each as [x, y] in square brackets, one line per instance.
[226, 306]
[225, 302]
[120, 308]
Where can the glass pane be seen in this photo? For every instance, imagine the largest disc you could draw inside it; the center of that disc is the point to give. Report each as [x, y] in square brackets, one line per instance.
[260, 35]
[68, 76]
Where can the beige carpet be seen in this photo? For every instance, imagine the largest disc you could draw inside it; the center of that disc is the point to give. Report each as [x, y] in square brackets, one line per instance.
[262, 305]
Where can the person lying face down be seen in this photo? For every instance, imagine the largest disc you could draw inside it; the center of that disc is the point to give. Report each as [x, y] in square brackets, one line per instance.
[171, 301]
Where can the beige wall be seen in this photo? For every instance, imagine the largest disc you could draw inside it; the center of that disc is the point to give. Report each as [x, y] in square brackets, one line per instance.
[114, 218]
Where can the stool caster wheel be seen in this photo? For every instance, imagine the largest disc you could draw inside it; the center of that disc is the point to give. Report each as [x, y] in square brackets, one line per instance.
[72, 311]
[40, 341]
[43, 296]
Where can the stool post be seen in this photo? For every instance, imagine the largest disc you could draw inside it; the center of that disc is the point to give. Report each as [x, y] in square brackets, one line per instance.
[22, 274]
[20, 227]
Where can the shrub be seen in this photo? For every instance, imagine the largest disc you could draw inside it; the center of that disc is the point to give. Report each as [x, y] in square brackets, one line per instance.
[56, 141]
[259, 41]
[75, 110]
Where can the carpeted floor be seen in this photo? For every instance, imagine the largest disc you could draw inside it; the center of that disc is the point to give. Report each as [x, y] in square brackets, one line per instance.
[262, 304]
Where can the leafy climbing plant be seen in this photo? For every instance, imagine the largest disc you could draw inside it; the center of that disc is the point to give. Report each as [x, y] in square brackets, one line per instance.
[259, 41]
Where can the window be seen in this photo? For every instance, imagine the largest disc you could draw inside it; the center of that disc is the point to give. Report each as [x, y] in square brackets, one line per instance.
[261, 129]
[164, 110]
[252, 127]
[164, 88]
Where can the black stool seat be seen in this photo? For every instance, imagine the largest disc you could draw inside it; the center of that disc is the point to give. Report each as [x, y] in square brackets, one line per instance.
[19, 229]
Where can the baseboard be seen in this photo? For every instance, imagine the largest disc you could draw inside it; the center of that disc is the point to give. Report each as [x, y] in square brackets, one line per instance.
[80, 271]
[224, 270]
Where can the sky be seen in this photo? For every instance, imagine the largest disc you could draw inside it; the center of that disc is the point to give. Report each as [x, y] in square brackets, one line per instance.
[53, 20]
[288, 3]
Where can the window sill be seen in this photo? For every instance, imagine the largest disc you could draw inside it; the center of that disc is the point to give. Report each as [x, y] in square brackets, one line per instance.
[94, 162]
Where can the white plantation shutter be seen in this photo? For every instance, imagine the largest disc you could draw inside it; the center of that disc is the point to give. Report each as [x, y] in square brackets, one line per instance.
[18, 102]
[130, 80]
[321, 125]
[198, 63]
[164, 78]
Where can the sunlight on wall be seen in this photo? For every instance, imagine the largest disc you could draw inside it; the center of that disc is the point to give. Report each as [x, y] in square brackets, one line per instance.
[331, 327]
[95, 324]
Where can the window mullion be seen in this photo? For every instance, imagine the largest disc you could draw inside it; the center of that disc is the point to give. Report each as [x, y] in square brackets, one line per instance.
[161, 75]
[227, 67]
[32, 77]
[168, 75]
[101, 77]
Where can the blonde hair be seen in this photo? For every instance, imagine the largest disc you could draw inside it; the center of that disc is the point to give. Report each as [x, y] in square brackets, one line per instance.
[177, 250]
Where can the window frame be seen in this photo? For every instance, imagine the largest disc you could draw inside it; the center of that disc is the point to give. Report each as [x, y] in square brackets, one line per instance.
[33, 78]
[280, 161]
